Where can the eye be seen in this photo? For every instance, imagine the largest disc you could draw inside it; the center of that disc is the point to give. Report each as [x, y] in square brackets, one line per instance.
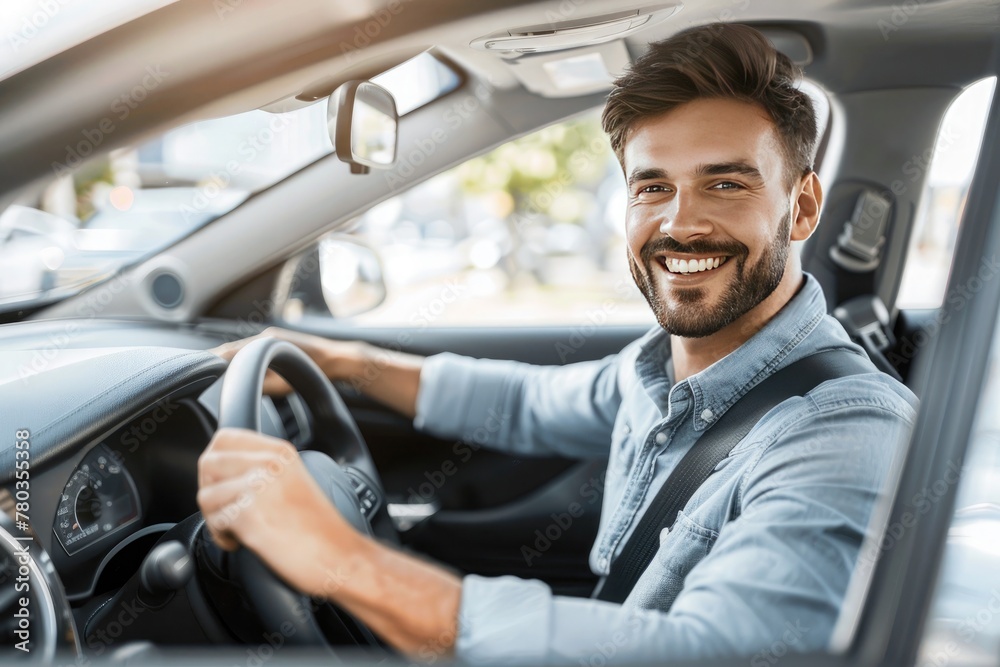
[652, 189]
[727, 185]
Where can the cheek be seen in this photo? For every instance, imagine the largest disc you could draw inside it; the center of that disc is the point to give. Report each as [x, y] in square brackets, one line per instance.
[637, 231]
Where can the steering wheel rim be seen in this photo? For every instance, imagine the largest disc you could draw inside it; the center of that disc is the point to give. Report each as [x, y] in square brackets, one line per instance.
[243, 386]
[335, 434]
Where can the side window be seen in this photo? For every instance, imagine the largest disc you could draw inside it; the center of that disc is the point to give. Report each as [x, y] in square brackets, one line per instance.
[932, 245]
[530, 233]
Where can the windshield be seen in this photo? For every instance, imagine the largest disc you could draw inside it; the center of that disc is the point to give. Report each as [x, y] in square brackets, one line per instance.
[97, 215]
[113, 210]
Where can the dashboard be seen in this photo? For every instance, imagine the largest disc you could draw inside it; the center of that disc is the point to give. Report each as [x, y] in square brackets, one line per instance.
[116, 418]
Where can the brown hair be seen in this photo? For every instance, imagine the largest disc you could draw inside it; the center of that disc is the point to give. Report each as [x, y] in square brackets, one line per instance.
[719, 60]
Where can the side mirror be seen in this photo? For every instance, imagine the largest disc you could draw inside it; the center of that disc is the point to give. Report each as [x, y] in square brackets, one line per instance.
[362, 121]
[339, 276]
[350, 275]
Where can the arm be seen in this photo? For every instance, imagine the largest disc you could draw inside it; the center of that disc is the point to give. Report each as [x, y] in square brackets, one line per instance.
[520, 408]
[776, 575]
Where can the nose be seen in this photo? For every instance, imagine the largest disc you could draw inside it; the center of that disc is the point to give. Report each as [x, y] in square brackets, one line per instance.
[683, 219]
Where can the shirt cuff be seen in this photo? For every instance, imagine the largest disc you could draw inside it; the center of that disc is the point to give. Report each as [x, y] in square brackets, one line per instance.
[503, 620]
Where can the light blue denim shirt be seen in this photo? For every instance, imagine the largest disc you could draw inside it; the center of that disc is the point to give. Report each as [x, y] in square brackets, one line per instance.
[758, 562]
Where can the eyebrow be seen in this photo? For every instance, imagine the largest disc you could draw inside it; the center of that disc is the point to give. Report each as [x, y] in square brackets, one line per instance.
[647, 174]
[714, 169]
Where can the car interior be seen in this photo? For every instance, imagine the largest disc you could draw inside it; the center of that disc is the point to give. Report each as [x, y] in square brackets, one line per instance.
[108, 375]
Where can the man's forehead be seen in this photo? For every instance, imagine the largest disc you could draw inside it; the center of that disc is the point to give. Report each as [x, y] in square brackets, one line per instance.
[704, 132]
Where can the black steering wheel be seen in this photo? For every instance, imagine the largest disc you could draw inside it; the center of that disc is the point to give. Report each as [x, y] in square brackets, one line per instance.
[338, 460]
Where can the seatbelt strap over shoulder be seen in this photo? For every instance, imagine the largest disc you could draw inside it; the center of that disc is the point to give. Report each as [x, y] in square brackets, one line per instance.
[712, 447]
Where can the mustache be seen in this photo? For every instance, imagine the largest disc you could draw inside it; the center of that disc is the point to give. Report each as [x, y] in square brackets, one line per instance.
[668, 244]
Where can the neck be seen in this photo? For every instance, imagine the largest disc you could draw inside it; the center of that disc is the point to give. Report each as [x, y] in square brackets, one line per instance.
[693, 355]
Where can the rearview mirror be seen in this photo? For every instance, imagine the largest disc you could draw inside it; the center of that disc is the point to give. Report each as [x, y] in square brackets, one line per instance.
[361, 118]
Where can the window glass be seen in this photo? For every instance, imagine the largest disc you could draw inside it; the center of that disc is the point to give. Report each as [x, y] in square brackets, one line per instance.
[418, 81]
[935, 229]
[532, 232]
[100, 214]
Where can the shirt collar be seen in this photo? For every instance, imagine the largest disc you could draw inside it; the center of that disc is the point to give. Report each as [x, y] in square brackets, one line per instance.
[719, 386]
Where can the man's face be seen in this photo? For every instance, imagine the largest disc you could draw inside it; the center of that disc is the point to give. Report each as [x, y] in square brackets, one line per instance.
[707, 188]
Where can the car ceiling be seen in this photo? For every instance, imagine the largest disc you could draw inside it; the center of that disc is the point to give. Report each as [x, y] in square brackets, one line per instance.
[244, 54]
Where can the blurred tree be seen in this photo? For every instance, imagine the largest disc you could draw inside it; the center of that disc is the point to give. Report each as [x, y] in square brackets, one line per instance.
[542, 172]
[536, 183]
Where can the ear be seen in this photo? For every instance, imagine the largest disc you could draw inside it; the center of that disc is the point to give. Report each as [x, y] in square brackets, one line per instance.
[805, 208]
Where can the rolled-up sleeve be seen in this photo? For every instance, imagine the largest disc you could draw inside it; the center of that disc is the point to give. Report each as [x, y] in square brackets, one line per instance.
[776, 576]
[521, 408]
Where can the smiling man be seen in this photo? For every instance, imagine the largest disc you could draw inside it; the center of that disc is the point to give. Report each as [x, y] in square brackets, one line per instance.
[716, 143]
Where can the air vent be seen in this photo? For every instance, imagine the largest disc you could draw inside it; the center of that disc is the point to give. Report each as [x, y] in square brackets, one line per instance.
[167, 290]
[293, 418]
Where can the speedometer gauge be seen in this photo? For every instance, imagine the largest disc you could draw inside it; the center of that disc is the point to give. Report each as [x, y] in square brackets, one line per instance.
[99, 499]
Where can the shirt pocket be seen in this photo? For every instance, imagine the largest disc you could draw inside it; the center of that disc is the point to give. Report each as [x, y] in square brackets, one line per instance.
[683, 547]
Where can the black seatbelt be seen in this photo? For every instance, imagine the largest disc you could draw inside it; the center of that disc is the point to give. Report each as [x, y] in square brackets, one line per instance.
[712, 447]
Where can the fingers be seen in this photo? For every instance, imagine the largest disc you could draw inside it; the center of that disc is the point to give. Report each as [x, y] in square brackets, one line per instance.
[236, 452]
[275, 385]
[236, 468]
[215, 497]
[228, 509]
[228, 350]
[242, 439]
[221, 505]
[217, 466]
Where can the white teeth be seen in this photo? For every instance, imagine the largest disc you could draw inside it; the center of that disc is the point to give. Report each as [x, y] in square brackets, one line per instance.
[675, 265]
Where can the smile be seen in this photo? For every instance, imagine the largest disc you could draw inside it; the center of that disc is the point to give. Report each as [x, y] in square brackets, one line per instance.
[674, 265]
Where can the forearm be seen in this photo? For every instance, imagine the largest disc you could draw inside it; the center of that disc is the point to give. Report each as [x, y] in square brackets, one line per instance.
[392, 378]
[410, 604]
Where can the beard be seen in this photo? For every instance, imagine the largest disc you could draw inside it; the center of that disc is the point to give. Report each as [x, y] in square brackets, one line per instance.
[690, 316]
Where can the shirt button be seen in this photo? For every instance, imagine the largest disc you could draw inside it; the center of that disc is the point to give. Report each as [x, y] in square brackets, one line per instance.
[603, 562]
[627, 429]
[707, 415]
[661, 437]
[663, 535]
